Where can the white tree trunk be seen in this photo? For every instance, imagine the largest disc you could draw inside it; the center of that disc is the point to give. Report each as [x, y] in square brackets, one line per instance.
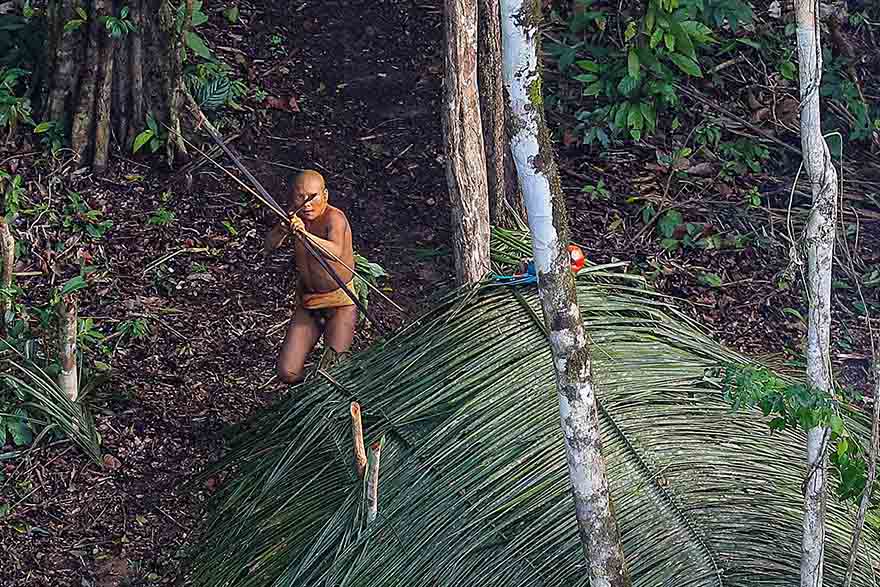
[465, 158]
[68, 379]
[7, 248]
[819, 242]
[548, 221]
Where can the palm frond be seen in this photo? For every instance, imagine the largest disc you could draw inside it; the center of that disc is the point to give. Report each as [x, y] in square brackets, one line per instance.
[474, 485]
[41, 394]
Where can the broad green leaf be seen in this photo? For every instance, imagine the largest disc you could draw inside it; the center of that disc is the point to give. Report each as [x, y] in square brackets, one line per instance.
[141, 140]
[682, 41]
[74, 284]
[669, 41]
[632, 63]
[669, 222]
[199, 18]
[620, 116]
[82, 13]
[19, 428]
[686, 64]
[231, 14]
[587, 65]
[656, 37]
[842, 447]
[631, 31]
[151, 124]
[586, 77]
[197, 44]
[650, 17]
[634, 119]
[711, 279]
[627, 85]
[42, 127]
[123, 13]
[594, 89]
[649, 114]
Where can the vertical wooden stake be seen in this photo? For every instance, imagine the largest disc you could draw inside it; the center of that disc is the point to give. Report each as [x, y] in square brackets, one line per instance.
[7, 248]
[68, 379]
[373, 481]
[357, 433]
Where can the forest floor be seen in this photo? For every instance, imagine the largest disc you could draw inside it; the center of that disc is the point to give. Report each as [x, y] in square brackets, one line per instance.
[369, 106]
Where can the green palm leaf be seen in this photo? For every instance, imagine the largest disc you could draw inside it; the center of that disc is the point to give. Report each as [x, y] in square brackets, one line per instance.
[474, 484]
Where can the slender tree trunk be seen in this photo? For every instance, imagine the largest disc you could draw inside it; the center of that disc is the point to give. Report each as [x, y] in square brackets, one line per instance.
[68, 379]
[64, 75]
[7, 248]
[465, 159]
[548, 222]
[136, 69]
[506, 208]
[820, 251]
[103, 106]
[83, 119]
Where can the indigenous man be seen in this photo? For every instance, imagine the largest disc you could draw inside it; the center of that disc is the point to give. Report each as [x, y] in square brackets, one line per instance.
[322, 306]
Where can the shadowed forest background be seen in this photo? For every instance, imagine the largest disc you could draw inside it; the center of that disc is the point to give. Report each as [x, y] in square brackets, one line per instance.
[689, 177]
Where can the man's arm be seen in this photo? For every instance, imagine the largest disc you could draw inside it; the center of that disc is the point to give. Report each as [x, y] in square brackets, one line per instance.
[275, 237]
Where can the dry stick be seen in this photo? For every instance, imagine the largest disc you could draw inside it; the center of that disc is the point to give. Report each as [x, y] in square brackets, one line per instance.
[67, 322]
[357, 432]
[7, 248]
[373, 481]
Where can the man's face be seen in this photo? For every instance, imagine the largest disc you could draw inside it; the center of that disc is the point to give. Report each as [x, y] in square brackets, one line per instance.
[313, 190]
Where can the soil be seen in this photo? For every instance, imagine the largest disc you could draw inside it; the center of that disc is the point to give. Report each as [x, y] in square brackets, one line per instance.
[369, 103]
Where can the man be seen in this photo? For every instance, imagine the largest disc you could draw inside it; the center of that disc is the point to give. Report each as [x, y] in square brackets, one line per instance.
[322, 306]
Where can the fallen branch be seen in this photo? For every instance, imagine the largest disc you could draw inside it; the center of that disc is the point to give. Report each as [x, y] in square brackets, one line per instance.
[357, 432]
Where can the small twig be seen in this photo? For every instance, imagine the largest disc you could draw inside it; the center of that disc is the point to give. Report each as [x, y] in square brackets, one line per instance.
[357, 432]
[399, 155]
[7, 249]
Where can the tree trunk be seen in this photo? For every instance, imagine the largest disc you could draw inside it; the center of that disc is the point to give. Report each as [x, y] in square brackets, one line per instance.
[506, 207]
[68, 378]
[465, 159]
[100, 87]
[548, 221]
[820, 250]
[7, 249]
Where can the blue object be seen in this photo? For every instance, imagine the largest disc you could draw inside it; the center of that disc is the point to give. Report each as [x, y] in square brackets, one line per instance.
[530, 276]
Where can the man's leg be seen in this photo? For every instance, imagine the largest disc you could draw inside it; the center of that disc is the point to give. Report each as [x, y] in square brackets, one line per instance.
[302, 334]
[339, 332]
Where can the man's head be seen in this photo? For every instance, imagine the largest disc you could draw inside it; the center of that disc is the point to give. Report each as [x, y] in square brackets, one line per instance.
[309, 184]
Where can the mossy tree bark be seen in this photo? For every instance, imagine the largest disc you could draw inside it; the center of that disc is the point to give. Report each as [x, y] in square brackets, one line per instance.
[548, 222]
[102, 88]
[819, 244]
[465, 158]
[506, 206]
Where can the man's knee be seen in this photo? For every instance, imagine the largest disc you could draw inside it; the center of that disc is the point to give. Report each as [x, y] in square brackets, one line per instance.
[289, 373]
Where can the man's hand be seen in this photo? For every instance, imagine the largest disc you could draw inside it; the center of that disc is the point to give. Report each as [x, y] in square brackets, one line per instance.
[296, 224]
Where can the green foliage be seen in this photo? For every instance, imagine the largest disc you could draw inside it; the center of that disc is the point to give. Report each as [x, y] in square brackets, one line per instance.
[75, 24]
[743, 155]
[794, 406]
[635, 83]
[31, 401]
[118, 27]
[161, 217]
[80, 217]
[369, 271]
[212, 87]
[597, 191]
[15, 108]
[152, 136]
[12, 190]
[51, 135]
